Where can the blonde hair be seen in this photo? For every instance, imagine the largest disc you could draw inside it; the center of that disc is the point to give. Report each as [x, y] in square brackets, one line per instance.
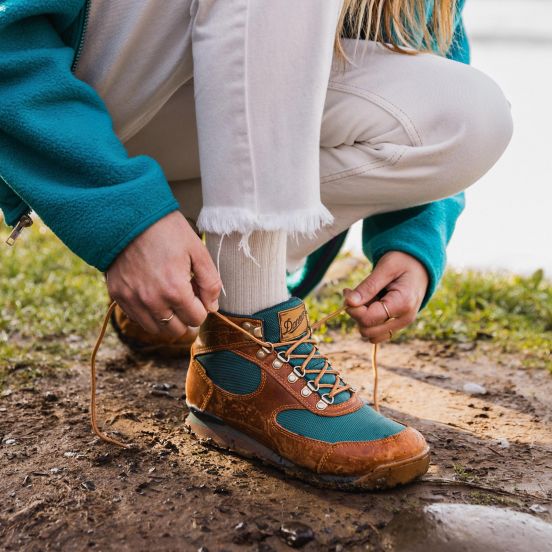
[401, 25]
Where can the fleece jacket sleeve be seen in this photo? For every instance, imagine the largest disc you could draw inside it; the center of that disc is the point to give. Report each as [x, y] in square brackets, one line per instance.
[58, 150]
[423, 232]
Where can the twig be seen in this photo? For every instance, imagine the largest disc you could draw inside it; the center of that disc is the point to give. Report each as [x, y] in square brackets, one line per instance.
[495, 451]
[454, 483]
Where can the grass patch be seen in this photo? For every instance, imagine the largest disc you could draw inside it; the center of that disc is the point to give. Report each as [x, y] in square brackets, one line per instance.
[51, 305]
[512, 312]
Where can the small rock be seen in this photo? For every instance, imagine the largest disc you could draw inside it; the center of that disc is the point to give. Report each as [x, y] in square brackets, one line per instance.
[202, 549]
[296, 534]
[161, 393]
[56, 470]
[141, 487]
[163, 386]
[70, 454]
[51, 397]
[102, 459]
[10, 441]
[474, 389]
[89, 485]
[538, 509]
[502, 442]
[467, 346]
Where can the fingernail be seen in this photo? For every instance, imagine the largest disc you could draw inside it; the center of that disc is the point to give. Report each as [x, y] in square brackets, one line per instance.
[354, 297]
[214, 307]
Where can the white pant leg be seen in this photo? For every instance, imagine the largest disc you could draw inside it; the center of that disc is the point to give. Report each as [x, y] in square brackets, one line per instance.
[400, 131]
[261, 70]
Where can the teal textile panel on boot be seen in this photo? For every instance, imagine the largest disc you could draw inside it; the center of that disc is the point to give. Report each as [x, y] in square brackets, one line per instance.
[365, 424]
[231, 372]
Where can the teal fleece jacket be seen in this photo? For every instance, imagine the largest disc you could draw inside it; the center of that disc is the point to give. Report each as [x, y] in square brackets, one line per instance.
[60, 156]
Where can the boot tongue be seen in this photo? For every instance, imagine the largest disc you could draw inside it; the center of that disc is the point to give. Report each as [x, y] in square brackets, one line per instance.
[289, 321]
[286, 321]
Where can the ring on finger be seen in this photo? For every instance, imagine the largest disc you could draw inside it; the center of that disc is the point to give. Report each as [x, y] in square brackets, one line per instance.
[165, 321]
[389, 317]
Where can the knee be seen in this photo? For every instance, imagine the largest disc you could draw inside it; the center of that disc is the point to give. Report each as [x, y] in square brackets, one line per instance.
[475, 126]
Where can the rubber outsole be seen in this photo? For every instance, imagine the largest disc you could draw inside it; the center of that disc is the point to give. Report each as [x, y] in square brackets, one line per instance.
[210, 431]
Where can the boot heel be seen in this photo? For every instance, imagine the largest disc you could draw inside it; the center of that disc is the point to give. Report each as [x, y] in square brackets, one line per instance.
[211, 430]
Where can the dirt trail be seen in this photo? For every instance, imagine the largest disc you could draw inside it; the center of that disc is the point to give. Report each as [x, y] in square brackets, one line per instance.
[62, 489]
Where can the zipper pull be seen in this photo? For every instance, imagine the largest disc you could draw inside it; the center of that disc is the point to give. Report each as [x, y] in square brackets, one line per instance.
[24, 222]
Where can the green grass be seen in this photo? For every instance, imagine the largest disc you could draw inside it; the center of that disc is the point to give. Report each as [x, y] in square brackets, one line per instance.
[512, 312]
[51, 305]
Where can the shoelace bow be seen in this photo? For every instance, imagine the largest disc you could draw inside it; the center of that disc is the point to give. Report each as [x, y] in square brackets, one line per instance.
[268, 346]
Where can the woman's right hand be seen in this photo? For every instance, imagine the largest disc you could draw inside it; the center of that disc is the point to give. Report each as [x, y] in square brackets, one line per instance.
[166, 269]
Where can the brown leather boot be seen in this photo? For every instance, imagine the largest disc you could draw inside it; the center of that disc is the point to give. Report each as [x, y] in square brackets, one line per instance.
[257, 385]
[140, 341]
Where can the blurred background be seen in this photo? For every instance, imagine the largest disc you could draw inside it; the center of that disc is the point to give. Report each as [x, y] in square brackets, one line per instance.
[507, 223]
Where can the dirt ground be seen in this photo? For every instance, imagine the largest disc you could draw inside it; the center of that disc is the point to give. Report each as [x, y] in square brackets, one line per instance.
[62, 489]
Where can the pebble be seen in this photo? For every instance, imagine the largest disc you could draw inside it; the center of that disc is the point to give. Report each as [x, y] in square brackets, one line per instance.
[296, 534]
[10, 441]
[538, 509]
[51, 397]
[502, 442]
[474, 389]
[89, 485]
[163, 386]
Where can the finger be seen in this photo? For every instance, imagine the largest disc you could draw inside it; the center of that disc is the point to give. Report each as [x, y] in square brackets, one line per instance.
[140, 315]
[173, 327]
[381, 333]
[206, 279]
[368, 289]
[375, 314]
[189, 307]
[154, 309]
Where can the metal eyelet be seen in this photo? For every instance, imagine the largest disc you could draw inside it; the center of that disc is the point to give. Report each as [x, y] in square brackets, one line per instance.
[312, 386]
[258, 331]
[292, 378]
[306, 391]
[282, 358]
[327, 399]
[299, 372]
[247, 326]
[277, 364]
[321, 405]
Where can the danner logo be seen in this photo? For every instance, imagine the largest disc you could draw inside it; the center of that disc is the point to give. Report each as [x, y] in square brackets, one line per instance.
[293, 323]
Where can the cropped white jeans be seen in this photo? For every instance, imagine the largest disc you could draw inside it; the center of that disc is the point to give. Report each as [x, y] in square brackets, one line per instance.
[262, 129]
[396, 131]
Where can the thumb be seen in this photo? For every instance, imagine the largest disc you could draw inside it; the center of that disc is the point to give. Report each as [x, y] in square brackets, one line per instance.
[369, 288]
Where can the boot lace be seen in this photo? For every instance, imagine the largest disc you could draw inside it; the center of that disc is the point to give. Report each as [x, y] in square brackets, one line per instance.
[268, 347]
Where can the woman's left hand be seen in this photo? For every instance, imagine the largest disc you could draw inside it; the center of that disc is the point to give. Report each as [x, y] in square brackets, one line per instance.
[404, 282]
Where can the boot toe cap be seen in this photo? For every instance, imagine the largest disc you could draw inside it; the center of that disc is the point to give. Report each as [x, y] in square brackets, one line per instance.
[381, 463]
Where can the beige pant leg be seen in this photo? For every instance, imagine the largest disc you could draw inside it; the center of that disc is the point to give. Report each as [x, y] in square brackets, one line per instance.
[400, 131]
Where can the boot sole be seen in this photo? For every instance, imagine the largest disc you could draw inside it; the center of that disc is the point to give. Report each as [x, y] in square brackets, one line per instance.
[209, 430]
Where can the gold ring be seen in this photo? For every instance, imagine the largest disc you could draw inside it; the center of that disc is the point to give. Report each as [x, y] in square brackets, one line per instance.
[165, 321]
[389, 317]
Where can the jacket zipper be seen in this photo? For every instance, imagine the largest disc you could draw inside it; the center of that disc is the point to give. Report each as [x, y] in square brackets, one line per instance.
[83, 32]
[22, 223]
[25, 220]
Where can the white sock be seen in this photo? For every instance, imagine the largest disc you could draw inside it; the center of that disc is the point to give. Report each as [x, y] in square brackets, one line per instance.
[250, 284]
